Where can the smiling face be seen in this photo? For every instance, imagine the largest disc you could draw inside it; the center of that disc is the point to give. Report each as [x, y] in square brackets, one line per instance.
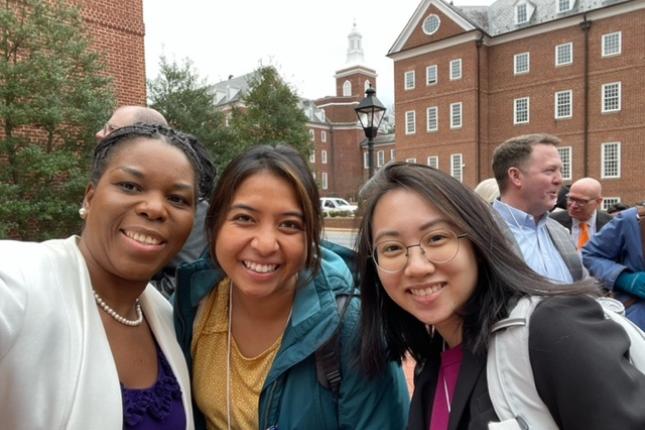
[432, 293]
[139, 213]
[540, 179]
[260, 243]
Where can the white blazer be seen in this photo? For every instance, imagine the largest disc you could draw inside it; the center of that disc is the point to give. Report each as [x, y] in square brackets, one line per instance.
[56, 367]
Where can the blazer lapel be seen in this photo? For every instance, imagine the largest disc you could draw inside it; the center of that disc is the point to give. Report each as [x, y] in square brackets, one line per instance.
[470, 372]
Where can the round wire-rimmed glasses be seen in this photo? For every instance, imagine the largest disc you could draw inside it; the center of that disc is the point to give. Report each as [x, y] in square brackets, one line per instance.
[438, 246]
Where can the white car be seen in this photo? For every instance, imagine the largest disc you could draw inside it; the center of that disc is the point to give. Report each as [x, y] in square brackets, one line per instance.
[335, 204]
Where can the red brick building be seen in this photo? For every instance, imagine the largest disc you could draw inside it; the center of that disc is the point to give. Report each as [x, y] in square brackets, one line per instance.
[468, 78]
[116, 29]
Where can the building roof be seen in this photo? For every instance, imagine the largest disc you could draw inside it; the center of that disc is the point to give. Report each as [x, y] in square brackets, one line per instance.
[231, 90]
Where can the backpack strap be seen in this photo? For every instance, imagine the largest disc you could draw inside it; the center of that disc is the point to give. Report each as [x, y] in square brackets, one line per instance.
[328, 354]
[511, 386]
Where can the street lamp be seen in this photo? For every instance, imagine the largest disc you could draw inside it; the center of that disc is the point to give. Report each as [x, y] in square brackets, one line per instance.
[370, 112]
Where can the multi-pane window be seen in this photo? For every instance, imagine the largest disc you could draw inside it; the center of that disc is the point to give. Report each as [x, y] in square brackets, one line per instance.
[608, 202]
[433, 118]
[521, 110]
[323, 136]
[457, 167]
[564, 5]
[433, 161]
[564, 54]
[347, 88]
[410, 122]
[521, 63]
[410, 160]
[432, 76]
[380, 158]
[366, 160]
[325, 185]
[392, 154]
[312, 134]
[521, 13]
[563, 104]
[312, 156]
[409, 80]
[611, 97]
[455, 69]
[610, 160]
[611, 44]
[323, 156]
[565, 156]
[455, 115]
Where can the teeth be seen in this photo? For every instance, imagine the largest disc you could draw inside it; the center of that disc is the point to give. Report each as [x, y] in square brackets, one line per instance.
[260, 268]
[426, 291]
[142, 238]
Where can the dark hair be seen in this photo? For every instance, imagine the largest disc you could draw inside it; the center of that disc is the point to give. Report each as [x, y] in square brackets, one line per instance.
[388, 331]
[284, 162]
[514, 152]
[208, 170]
[104, 150]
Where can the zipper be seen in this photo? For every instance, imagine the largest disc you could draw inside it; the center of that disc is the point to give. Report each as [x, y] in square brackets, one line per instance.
[268, 403]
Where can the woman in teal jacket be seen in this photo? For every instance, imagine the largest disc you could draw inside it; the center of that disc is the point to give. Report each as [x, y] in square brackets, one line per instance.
[251, 319]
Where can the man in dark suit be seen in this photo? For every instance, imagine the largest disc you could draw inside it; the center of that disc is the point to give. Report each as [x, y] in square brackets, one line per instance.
[582, 217]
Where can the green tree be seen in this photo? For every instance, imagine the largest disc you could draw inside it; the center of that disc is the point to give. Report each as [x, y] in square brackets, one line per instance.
[53, 97]
[271, 114]
[188, 103]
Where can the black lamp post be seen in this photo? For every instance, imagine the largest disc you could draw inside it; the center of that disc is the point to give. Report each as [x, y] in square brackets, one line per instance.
[370, 113]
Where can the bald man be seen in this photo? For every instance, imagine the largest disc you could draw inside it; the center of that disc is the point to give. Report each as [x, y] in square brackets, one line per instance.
[128, 115]
[583, 217]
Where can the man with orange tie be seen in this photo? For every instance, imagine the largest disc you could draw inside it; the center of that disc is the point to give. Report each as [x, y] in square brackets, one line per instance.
[582, 217]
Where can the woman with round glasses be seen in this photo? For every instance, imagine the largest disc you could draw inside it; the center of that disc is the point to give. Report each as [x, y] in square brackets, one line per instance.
[436, 274]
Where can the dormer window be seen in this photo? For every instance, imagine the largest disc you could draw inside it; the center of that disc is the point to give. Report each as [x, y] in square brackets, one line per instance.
[523, 12]
[564, 5]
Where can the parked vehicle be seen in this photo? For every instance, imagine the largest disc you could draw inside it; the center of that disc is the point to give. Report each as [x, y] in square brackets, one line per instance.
[337, 206]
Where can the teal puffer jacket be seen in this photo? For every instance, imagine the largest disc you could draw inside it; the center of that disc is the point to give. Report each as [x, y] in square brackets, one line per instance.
[292, 397]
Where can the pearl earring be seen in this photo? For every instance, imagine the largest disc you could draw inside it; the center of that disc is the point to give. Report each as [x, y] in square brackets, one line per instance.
[82, 212]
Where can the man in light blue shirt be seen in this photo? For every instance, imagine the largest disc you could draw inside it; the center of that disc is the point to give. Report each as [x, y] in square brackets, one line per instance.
[528, 171]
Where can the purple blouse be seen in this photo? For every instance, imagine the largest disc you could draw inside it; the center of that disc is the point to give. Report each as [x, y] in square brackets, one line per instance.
[159, 407]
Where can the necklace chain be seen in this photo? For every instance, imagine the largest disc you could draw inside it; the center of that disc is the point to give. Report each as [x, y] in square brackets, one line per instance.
[121, 319]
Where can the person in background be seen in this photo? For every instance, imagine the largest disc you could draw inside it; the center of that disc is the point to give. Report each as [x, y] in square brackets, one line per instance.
[583, 218]
[616, 256]
[197, 242]
[251, 316]
[85, 341]
[528, 171]
[437, 273]
[488, 190]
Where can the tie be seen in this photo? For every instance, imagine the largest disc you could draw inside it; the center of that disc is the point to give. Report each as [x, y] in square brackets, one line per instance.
[584, 235]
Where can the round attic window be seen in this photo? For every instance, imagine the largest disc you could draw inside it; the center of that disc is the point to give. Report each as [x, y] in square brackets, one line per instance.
[431, 24]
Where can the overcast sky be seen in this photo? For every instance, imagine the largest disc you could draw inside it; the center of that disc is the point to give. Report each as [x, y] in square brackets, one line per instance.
[305, 39]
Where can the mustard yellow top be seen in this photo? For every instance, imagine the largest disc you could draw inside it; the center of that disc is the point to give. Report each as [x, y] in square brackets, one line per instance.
[209, 349]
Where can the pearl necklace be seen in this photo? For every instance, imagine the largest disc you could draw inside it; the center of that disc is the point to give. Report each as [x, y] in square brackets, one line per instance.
[111, 312]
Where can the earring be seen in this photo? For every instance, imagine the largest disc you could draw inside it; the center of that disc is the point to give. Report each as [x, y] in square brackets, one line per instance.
[82, 212]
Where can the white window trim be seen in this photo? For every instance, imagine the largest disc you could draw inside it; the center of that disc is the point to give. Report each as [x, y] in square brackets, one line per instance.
[460, 167]
[323, 136]
[456, 77]
[325, 182]
[528, 63]
[312, 156]
[405, 80]
[528, 110]
[609, 201]
[312, 135]
[365, 160]
[323, 156]
[555, 104]
[620, 44]
[436, 74]
[413, 130]
[620, 97]
[557, 6]
[436, 128]
[347, 88]
[392, 154]
[380, 158]
[411, 160]
[603, 173]
[517, 14]
[461, 115]
[557, 57]
[433, 157]
[569, 151]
